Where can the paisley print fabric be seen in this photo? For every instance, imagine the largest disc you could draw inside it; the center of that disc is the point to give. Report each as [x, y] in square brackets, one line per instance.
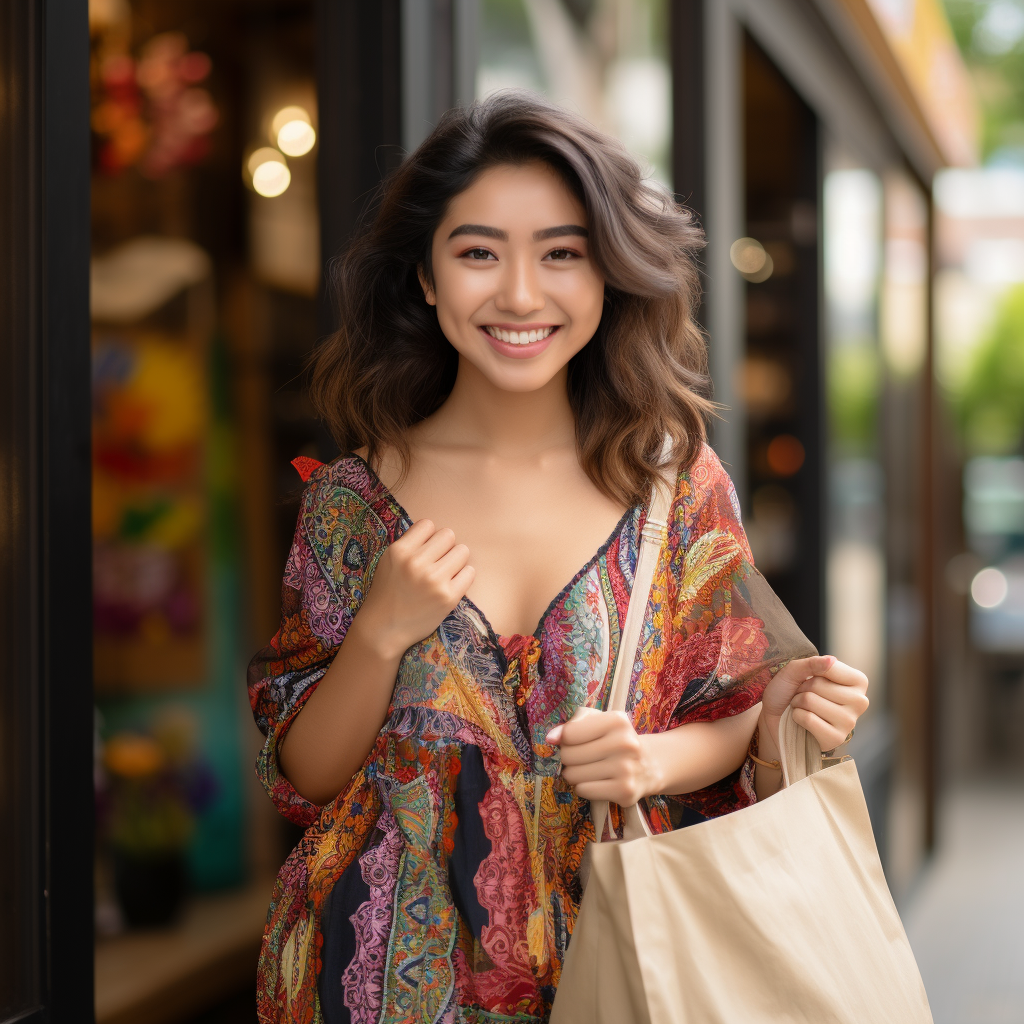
[442, 885]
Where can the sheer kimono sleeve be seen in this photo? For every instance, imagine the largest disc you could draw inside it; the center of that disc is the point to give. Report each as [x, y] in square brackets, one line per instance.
[728, 632]
[321, 590]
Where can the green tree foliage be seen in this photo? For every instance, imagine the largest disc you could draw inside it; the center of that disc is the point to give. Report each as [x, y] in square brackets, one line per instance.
[991, 38]
[854, 381]
[991, 405]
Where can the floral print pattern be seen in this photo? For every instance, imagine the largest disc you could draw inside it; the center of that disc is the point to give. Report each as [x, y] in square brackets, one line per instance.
[444, 879]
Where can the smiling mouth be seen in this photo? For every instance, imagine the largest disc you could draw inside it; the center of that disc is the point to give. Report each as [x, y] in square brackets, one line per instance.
[520, 337]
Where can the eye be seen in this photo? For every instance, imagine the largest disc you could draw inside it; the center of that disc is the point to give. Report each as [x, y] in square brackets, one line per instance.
[479, 253]
[561, 255]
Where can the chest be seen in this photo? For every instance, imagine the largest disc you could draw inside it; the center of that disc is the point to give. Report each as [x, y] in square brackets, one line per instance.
[529, 532]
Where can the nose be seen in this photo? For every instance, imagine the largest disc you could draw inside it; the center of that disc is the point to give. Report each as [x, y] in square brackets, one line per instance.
[519, 291]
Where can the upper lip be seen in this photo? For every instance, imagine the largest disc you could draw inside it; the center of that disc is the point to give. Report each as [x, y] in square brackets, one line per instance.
[521, 327]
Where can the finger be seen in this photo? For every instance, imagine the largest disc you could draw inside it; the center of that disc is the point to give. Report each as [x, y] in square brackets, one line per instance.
[420, 531]
[836, 692]
[845, 675]
[450, 564]
[840, 716]
[592, 725]
[555, 735]
[826, 735]
[595, 750]
[462, 581]
[597, 771]
[803, 668]
[437, 546]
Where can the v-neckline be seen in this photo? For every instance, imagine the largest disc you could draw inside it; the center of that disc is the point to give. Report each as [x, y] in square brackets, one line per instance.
[494, 636]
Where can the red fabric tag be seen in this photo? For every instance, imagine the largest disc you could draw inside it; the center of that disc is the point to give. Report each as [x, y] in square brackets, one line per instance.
[305, 466]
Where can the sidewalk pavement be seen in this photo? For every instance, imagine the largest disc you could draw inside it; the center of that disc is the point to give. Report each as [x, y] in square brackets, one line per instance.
[965, 919]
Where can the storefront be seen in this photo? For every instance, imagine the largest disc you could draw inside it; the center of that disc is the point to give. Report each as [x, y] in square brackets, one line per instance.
[823, 125]
[234, 144]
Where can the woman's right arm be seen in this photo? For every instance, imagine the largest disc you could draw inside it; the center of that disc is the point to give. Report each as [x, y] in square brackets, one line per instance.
[419, 579]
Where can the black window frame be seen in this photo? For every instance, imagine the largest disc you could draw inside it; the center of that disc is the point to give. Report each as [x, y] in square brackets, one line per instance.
[45, 528]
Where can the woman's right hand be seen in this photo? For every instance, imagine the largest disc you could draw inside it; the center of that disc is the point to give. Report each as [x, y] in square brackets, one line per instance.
[419, 579]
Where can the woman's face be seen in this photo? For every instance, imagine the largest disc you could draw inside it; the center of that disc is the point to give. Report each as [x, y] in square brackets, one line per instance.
[514, 285]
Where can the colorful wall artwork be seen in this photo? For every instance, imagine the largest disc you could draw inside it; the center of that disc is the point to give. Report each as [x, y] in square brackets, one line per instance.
[150, 425]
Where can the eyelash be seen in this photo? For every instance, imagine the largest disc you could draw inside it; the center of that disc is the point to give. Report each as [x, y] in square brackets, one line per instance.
[569, 253]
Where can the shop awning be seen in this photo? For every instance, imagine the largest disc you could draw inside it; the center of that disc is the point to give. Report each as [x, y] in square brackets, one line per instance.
[907, 51]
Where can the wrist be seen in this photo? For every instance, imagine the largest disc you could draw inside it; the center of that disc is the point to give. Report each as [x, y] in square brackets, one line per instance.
[376, 638]
[768, 736]
[653, 774]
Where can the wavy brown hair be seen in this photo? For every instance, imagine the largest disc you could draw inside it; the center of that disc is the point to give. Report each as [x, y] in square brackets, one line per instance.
[644, 373]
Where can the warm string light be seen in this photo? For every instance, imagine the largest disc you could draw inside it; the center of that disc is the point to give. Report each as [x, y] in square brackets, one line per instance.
[267, 169]
[293, 132]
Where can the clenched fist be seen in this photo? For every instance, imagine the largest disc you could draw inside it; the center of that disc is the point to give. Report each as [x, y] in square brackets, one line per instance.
[827, 696]
[603, 758]
[419, 579]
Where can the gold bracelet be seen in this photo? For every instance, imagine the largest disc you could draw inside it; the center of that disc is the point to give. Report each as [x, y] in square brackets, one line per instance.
[774, 765]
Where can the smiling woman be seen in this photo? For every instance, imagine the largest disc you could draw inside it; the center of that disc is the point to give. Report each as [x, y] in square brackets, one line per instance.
[517, 365]
[645, 374]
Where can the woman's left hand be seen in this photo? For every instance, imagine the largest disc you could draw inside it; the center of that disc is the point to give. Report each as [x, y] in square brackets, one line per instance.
[827, 697]
[603, 757]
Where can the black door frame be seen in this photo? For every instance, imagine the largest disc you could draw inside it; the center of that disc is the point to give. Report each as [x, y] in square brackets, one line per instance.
[45, 531]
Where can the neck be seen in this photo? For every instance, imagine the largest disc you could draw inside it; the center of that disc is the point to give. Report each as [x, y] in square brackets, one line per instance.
[477, 414]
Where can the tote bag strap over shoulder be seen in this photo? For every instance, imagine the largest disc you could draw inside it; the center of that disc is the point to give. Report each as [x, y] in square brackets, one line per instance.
[799, 751]
[652, 539]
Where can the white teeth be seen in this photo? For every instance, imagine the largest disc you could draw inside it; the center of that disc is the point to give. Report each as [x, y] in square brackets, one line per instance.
[519, 337]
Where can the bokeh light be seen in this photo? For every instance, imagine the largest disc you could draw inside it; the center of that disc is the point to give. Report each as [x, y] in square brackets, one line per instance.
[747, 255]
[785, 455]
[293, 132]
[989, 588]
[751, 259]
[269, 172]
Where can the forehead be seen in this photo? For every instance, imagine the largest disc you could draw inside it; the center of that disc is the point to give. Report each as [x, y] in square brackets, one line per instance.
[516, 198]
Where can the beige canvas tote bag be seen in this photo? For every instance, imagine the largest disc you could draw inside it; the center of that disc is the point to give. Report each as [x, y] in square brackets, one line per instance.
[776, 912]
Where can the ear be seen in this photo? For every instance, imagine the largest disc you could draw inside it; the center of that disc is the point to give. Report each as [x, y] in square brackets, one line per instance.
[428, 288]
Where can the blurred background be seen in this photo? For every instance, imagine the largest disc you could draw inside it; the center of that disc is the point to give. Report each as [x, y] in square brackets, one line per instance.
[858, 166]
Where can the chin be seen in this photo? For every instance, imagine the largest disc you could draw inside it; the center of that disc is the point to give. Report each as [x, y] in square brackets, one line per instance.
[521, 381]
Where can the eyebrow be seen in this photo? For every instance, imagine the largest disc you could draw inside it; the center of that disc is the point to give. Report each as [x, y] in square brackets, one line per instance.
[480, 229]
[538, 236]
[560, 232]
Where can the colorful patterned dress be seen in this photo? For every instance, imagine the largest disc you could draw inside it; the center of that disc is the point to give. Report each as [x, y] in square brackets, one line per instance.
[442, 884]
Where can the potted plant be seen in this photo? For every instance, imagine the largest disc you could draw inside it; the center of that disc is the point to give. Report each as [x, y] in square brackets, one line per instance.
[153, 789]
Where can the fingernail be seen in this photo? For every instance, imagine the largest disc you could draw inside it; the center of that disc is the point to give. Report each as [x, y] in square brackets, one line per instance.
[554, 735]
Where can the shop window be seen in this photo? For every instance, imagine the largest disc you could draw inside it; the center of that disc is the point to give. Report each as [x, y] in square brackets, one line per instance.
[779, 378]
[607, 61]
[205, 277]
[855, 567]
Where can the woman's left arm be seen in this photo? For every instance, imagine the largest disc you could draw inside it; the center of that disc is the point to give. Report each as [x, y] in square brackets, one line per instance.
[604, 758]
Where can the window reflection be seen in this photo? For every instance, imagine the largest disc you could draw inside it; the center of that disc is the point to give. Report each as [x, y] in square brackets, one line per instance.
[855, 566]
[606, 59]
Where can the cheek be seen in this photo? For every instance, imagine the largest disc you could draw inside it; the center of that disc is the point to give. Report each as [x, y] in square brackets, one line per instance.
[459, 292]
[583, 296]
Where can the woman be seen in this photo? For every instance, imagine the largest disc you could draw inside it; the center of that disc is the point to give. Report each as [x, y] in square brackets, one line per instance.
[517, 341]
